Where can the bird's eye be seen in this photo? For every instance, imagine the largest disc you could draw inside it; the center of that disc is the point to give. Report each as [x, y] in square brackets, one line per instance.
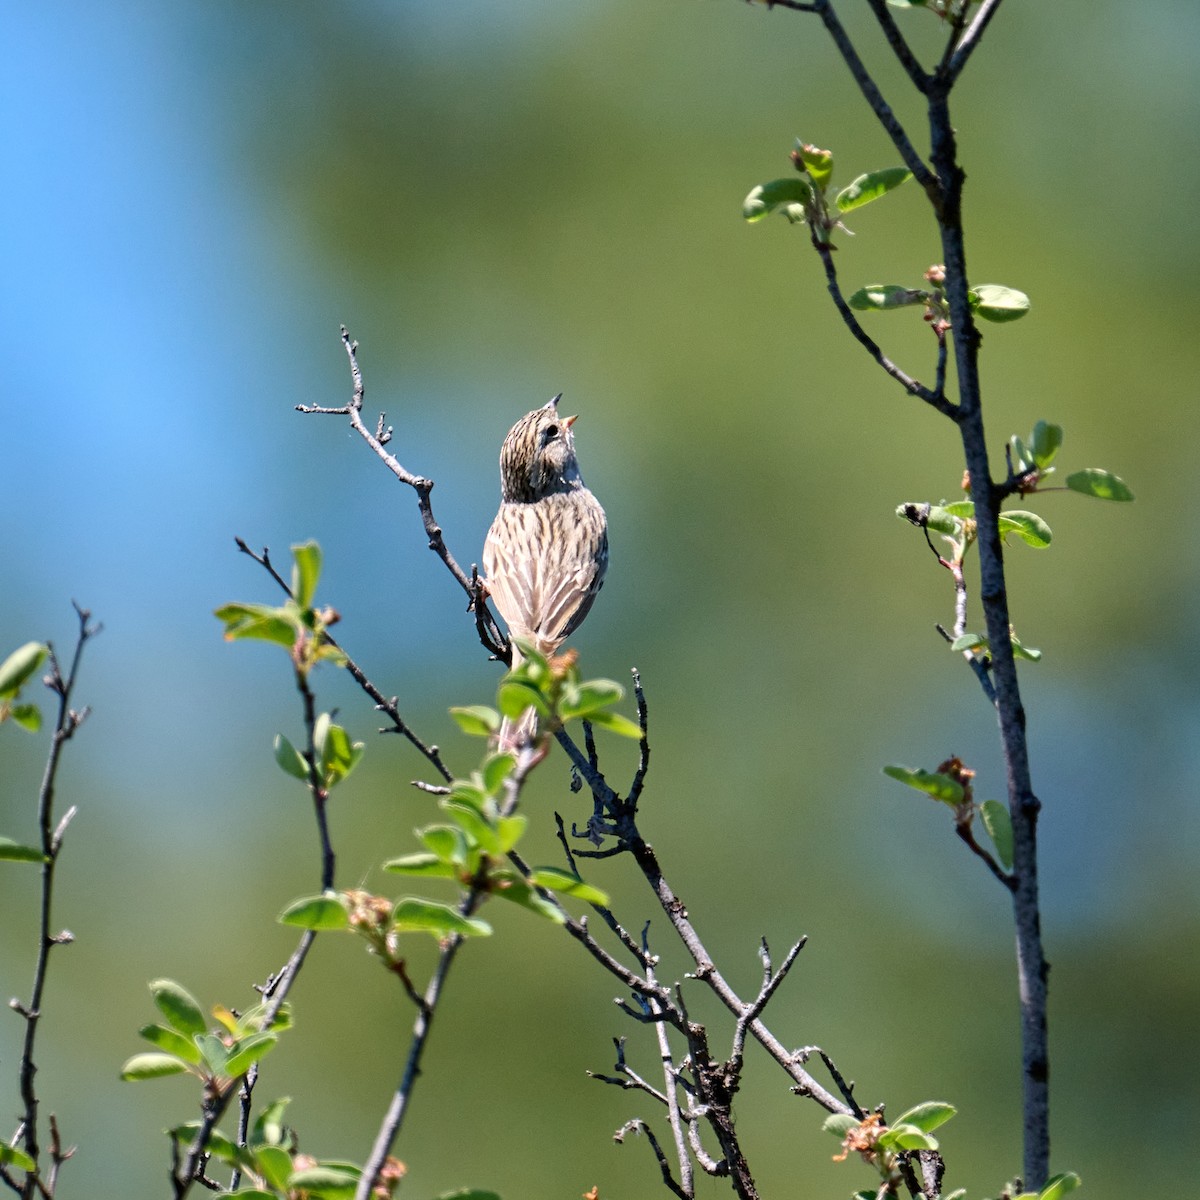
[549, 434]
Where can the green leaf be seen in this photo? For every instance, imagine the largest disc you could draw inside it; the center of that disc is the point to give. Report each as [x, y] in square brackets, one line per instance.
[508, 885]
[1104, 485]
[818, 163]
[933, 783]
[880, 296]
[316, 913]
[477, 720]
[152, 1066]
[496, 770]
[268, 1128]
[1021, 454]
[325, 1182]
[305, 572]
[615, 723]
[587, 698]
[516, 696]
[171, 1042]
[339, 756]
[220, 1145]
[995, 302]
[907, 1137]
[274, 1163]
[1059, 1185]
[1026, 652]
[179, 1006]
[871, 186]
[474, 824]
[28, 716]
[413, 915]
[927, 1116]
[936, 517]
[253, 1193]
[998, 824]
[969, 641]
[10, 1156]
[1028, 526]
[428, 865]
[779, 193]
[290, 760]
[11, 851]
[963, 509]
[469, 1194]
[213, 1052]
[563, 881]
[839, 1124]
[19, 666]
[248, 1051]
[261, 622]
[446, 842]
[1045, 442]
[509, 831]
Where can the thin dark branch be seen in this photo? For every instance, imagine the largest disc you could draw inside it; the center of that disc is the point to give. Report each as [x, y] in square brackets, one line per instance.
[874, 97]
[936, 399]
[846, 1089]
[639, 1126]
[969, 41]
[900, 46]
[384, 704]
[967, 833]
[489, 631]
[66, 723]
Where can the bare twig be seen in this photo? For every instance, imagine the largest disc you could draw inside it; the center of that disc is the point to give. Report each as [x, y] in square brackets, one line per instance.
[384, 704]
[67, 721]
[489, 631]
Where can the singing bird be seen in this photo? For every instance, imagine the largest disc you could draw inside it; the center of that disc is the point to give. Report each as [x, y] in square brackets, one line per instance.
[547, 550]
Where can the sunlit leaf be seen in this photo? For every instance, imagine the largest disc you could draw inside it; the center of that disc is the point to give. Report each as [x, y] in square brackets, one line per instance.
[248, 1051]
[179, 1006]
[880, 296]
[839, 1124]
[413, 915]
[306, 570]
[998, 824]
[1045, 442]
[817, 162]
[11, 851]
[1028, 526]
[289, 758]
[768, 197]
[932, 783]
[427, 865]
[1059, 1185]
[152, 1066]
[17, 668]
[927, 1116]
[11, 1156]
[563, 881]
[28, 716]
[995, 302]
[316, 913]
[871, 186]
[615, 723]
[171, 1042]
[477, 720]
[1104, 485]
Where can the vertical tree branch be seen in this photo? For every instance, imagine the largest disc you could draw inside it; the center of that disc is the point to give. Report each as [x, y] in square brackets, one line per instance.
[1023, 803]
[66, 723]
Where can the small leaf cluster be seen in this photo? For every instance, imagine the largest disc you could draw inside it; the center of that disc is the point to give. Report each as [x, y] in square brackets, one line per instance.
[804, 198]
[993, 302]
[881, 1145]
[1030, 462]
[334, 753]
[952, 785]
[273, 1168]
[885, 1146]
[15, 672]
[553, 688]
[297, 624]
[218, 1056]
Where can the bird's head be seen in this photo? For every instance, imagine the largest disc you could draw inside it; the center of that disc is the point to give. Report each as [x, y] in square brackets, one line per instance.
[538, 455]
